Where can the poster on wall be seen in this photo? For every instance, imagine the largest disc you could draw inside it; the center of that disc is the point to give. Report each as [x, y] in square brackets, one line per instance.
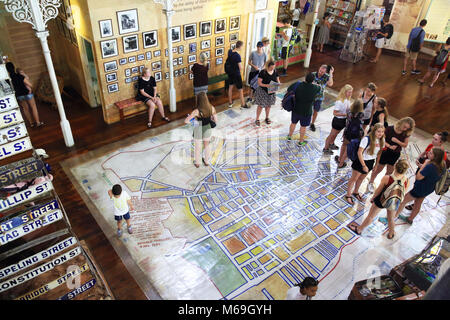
[404, 17]
[127, 21]
[438, 21]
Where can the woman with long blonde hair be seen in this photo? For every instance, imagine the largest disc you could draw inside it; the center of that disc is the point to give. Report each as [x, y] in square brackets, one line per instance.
[341, 108]
[205, 115]
[426, 179]
[369, 150]
[397, 137]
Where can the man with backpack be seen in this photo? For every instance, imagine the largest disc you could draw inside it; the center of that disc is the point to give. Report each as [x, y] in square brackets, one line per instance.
[385, 33]
[439, 63]
[415, 41]
[286, 45]
[233, 68]
[305, 94]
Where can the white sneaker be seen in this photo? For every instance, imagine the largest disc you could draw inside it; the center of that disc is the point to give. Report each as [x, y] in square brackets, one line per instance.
[371, 187]
[230, 105]
[119, 233]
[130, 230]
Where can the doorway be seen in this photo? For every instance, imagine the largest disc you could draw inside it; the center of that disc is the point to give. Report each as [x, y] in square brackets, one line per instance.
[90, 72]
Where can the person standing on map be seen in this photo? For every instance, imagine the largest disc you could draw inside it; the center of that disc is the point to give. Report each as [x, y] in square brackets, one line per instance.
[303, 291]
[122, 207]
[205, 118]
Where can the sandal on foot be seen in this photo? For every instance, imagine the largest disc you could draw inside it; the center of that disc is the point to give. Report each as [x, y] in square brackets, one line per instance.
[268, 121]
[39, 124]
[358, 197]
[204, 162]
[343, 166]
[166, 119]
[258, 123]
[33, 125]
[196, 165]
[406, 219]
[149, 125]
[354, 228]
[390, 237]
[349, 197]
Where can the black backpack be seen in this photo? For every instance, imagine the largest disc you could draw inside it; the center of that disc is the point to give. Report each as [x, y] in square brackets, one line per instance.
[441, 57]
[229, 64]
[353, 128]
[415, 43]
[390, 31]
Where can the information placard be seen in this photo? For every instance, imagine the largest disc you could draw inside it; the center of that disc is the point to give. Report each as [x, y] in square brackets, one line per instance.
[8, 102]
[25, 195]
[15, 147]
[3, 72]
[438, 21]
[20, 170]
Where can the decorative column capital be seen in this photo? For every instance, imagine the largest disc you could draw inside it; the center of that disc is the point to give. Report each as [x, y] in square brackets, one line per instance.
[22, 11]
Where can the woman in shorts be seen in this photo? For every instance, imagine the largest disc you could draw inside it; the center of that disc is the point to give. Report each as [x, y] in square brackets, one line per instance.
[341, 108]
[396, 138]
[399, 175]
[369, 150]
[435, 67]
[368, 97]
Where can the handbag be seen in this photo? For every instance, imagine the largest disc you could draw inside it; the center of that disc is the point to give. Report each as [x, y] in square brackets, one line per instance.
[212, 123]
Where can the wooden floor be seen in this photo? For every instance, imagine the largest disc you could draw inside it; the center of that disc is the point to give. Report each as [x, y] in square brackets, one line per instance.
[429, 107]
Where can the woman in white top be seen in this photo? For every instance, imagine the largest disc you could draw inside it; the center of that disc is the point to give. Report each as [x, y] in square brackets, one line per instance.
[296, 15]
[341, 108]
[303, 291]
[368, 97]
[369, 150]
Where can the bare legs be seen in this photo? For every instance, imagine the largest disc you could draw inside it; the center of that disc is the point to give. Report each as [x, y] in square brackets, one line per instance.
[368, 220]
[331, 137]
[416, 206]
[377, 56]
[230, 95]
[435, 77]
[356, 179]
[30, 111]
[151, 109]
[198, 151]
[343, 153]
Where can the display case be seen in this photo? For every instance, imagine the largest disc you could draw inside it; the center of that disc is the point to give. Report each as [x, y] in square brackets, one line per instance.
[342, 14]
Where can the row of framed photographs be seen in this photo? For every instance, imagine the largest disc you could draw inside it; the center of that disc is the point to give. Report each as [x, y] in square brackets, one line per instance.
[131, 44]
[128, 22]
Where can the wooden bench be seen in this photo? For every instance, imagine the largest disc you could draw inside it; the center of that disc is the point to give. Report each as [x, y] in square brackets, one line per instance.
[217, 79]
[128, 103]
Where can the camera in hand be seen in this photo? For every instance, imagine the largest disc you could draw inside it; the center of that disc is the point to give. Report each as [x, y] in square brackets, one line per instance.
[329, 68]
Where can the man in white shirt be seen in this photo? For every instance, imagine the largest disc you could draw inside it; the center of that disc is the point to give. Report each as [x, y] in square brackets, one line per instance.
[296, 15]
[286, 36]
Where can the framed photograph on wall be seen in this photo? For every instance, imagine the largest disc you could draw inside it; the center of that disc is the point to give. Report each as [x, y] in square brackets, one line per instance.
[148, 55]
[113, 87]
[150, 39]
[220, 41]
[134, 70]
[175, 73]
[219, 52]
[232, 46]
[140, 57]
[109, 48]
[132, 59]
[206, 44]
[207, 54]
[106, 29]
[192, 47]
[158, 76]
[123, 61]
[234, 37]
[141, 68]
[130, 43]
[127, 80]
[190, 67]
[166, 76]
[135, 78]
[235, 23]
[191, 76]
[175, 33]
[110, 66]
[156, 66]
[128, 72]
[205, 28]
[184, 70]
[190, 31]
[157, 53]
[221, 25]
[175, 50]
[219, 61]
[192, 58]
[180, 61]
[127, 21]
[111, 77]
[180, 49]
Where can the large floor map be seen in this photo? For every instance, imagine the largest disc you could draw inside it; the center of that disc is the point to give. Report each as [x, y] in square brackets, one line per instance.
[266, 214]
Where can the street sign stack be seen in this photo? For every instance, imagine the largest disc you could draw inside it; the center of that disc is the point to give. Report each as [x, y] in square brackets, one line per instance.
[40, 256]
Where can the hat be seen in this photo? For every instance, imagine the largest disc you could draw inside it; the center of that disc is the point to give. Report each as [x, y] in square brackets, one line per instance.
[264, 39]
[260, 44]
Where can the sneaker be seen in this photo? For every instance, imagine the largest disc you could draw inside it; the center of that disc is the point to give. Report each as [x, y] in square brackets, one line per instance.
[336, 158]
[383, 220]
[245, 106]
[403, 72]
[409, 207]
[130, 229]
[312, 127]
[415, 71]
[119, 233]
[300, 144]
[249, 100]
[230, 105]
[371, 187]
[289, 138]
[333, 147]
[327, 151]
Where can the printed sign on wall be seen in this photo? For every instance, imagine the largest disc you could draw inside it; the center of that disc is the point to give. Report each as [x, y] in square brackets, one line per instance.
[15, 147]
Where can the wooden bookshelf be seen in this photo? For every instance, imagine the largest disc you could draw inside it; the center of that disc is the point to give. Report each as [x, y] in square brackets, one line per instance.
[342, 13]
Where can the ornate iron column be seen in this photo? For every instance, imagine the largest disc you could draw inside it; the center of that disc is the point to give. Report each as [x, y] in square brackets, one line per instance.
[311, 35]
[38, 13]
[168, 10]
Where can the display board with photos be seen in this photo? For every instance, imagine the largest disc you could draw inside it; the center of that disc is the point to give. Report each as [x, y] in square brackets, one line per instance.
[40, 256]
[210, 37]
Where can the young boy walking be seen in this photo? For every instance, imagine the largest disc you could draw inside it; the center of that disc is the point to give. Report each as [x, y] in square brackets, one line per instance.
[122, 207]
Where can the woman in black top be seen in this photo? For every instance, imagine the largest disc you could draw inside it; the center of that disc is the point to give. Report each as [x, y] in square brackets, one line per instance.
[263, 98]
[25, 98]
[147, 92]
[381, 112]
[200, 73]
